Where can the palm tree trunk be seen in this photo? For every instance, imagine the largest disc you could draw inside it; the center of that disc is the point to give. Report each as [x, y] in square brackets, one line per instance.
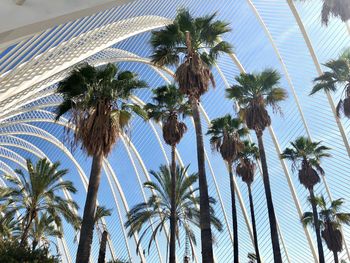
[87, 226]
[335, 254]
[317, 227]
[34, 244]
[25, 233]
[103, 246]
[252, 214]
[271, 211]
[172, 254]
[234, 217]
[206, 236]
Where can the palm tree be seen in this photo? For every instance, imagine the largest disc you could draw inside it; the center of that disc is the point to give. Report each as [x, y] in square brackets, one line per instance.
[252, 258]
[330, 220]
[43, 228]
[225, 138]
[99, 102]
[336, 8]
[9, 227]
[338, 75]
[168, 105]
[36, 193]
[245, 168]
[158, 206]
[189, 38]
[253, 93]
[306, 156]
[102, 212]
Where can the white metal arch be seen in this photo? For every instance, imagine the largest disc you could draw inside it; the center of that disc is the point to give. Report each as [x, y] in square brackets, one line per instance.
[134, 58]
[340, 126]
[16, 158]
[7, 169]
[319, 71]
[36, 152]
[140, 61]
[37, 132]
[51, 117]
[67, 55]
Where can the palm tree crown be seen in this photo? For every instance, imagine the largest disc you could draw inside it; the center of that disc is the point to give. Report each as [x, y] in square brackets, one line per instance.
[330, 220]
[337, 76]
[158, 206]
[168, 105]
[44, 228]
[198, 41]
[245, 162]
[306, 155]
[225, 136]
[99, 102]
[254, 92]
[336, 8]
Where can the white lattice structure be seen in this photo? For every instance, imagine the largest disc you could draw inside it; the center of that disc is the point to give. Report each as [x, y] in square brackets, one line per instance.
[282, 34]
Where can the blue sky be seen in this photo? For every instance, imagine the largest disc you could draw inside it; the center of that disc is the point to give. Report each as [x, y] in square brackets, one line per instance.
[255, 53]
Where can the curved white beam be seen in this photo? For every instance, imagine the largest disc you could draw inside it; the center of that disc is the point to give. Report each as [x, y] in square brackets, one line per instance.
[284, 167]
[16, 158]
[27, 75]
[208, 121]
[329, 97]
[319, 71]
[26, 146]
[134, 58]
[37, 132]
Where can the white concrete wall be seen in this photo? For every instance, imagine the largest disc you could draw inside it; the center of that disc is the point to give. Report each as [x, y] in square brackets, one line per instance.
[17, 21]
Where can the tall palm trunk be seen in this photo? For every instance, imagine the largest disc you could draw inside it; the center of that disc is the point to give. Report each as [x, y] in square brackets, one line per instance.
[335, 254]
[317, 227]
[87, 226]
[172, 254]
[271, 211]
[103, 246]
[34, 244]
[25, 233]
[206, 236]
[255, 233]
[234, 216]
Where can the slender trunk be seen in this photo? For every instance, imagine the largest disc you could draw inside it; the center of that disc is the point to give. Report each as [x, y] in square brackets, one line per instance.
[255, 234]
[172, 254]
[317, 227]
[234, 216]
[271, 211]
[87, 226]
[25, 233]
[206, 236]
[335, 254]
[34, 244]
[103, 246]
